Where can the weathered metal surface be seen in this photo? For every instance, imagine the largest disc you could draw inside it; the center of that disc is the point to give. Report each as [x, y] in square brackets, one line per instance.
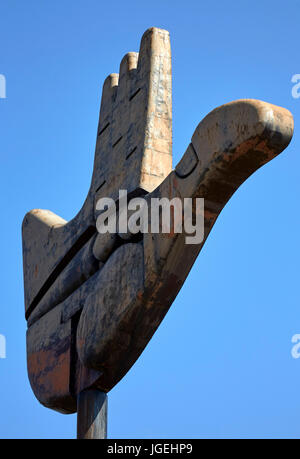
[81, 267]
[49, 361]
[104, 246]
[93, 301]
[105, 326]
[92, 415]
[187, 163]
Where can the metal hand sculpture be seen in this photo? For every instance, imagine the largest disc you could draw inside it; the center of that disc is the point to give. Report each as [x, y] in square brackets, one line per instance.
[93, 301]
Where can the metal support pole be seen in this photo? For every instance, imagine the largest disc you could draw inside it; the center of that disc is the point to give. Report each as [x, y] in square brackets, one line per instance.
[92, 415]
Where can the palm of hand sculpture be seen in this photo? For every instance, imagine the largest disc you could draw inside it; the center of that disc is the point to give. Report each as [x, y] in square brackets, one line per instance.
[93, 301]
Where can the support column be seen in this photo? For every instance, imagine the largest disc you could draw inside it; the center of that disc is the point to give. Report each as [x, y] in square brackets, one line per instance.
[92, 415]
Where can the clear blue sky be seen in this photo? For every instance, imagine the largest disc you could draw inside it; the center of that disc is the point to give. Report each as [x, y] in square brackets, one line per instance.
[220, 364]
